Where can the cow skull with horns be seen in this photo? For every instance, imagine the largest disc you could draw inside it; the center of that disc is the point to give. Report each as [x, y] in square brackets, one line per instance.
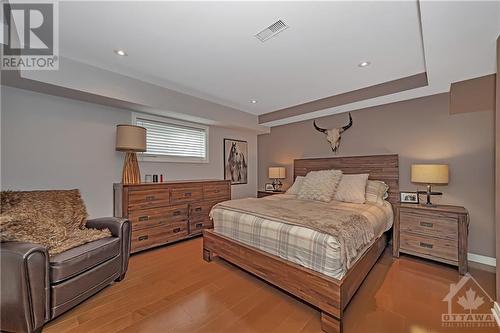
[333, 135]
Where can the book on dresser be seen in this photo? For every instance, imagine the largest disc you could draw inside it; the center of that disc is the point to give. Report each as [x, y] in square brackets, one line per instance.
[162, 213]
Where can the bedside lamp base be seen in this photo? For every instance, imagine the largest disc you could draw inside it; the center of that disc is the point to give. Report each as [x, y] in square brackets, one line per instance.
[429, 192]
[277, 184]
[131, 173]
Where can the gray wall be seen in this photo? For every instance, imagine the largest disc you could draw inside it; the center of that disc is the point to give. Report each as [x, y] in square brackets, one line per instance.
[50, 142]
[109, 88]
[420, 130]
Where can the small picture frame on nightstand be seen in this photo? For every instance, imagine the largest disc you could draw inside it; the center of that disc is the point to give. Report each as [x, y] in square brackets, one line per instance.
[408, 197]
[269, 187]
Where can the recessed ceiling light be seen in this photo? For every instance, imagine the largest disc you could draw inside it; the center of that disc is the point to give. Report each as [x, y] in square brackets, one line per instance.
[121, 53]
[253, 101]
[364, 64]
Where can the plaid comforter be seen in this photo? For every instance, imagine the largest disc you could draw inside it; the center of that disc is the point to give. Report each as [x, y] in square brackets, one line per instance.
[309, 248]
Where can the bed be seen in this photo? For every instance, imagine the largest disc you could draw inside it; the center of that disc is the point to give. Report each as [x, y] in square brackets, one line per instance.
[322, 283]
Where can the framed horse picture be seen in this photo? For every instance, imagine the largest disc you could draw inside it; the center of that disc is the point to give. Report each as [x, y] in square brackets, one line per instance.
[236, 161]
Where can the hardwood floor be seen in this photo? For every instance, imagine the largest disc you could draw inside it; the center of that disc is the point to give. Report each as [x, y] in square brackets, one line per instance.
[171, 289]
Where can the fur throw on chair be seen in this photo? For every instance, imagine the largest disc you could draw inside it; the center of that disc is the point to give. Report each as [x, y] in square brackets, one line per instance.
[54, 219]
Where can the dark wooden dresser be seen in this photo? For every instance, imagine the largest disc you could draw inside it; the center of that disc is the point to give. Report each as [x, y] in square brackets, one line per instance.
[161, 213]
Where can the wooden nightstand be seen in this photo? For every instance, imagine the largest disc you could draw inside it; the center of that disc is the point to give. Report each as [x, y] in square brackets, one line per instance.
[438, 233]
[261, 194]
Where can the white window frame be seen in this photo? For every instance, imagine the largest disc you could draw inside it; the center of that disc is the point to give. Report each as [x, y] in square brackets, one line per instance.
[174, 159]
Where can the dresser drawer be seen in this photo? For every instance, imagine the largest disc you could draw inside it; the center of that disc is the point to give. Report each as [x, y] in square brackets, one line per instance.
[186, 194]
[197, 225]
[140, 199]
[216, 191]
[148, 218]
[149, 237]
[201, 208]
[438, 248]
[430, 225]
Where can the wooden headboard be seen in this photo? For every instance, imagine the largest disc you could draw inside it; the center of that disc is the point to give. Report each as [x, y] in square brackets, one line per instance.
[380, 167]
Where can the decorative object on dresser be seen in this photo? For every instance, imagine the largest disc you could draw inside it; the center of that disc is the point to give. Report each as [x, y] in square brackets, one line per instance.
[438, 233]
[261, 194]
[269, 187]
[130, 139]
[408, 197]
[236, 161]
[277, 173]
[429, 174]
[334, 135]
[162, 213]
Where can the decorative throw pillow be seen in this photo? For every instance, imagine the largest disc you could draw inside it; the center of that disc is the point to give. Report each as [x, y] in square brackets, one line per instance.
[319, 185]
[352, 188]
[376, 191]
[297, 184]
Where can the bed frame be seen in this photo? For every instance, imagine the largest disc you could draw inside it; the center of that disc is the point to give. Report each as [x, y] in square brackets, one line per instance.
[329, 295]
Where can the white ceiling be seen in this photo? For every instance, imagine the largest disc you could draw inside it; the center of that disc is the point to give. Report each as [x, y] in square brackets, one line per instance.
[459, 43]
[207, 49]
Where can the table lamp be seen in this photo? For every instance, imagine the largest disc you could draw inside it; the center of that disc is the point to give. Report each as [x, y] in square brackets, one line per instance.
[130, 139]
[429, 174]
[277, 173]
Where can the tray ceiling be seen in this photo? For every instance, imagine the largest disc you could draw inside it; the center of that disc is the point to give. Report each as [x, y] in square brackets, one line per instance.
[208, 49]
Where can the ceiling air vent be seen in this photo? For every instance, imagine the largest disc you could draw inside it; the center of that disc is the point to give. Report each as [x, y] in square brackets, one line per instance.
[271, 30]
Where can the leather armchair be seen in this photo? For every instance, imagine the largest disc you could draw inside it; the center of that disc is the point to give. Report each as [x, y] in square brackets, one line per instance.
[119, 228]
[36, 288]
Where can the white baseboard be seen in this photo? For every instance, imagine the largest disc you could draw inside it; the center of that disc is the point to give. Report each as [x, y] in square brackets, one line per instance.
[496, 312]
[490, 261]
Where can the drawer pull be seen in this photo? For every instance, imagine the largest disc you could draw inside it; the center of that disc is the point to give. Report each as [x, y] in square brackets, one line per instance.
[216, 191]
[427, 224]
[199, 225]
[143, 218]
[141, 238]
[177, 213]
[150, 197]
[426, 245]
[176, 230]
[198, 209]
[187, 194]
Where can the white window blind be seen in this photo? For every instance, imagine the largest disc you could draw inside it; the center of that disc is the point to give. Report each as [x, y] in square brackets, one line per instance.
[172, 140]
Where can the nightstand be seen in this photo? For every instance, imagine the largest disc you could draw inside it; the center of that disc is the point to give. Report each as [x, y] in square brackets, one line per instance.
[261, 194]
[437, 233]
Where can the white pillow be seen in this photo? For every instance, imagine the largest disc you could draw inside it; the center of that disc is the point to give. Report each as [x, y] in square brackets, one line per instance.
[319, 185]
[352, 188]
[376, 191]
[297, 184]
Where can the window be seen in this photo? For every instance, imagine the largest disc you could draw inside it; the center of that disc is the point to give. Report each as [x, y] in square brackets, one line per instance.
[169, 140]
